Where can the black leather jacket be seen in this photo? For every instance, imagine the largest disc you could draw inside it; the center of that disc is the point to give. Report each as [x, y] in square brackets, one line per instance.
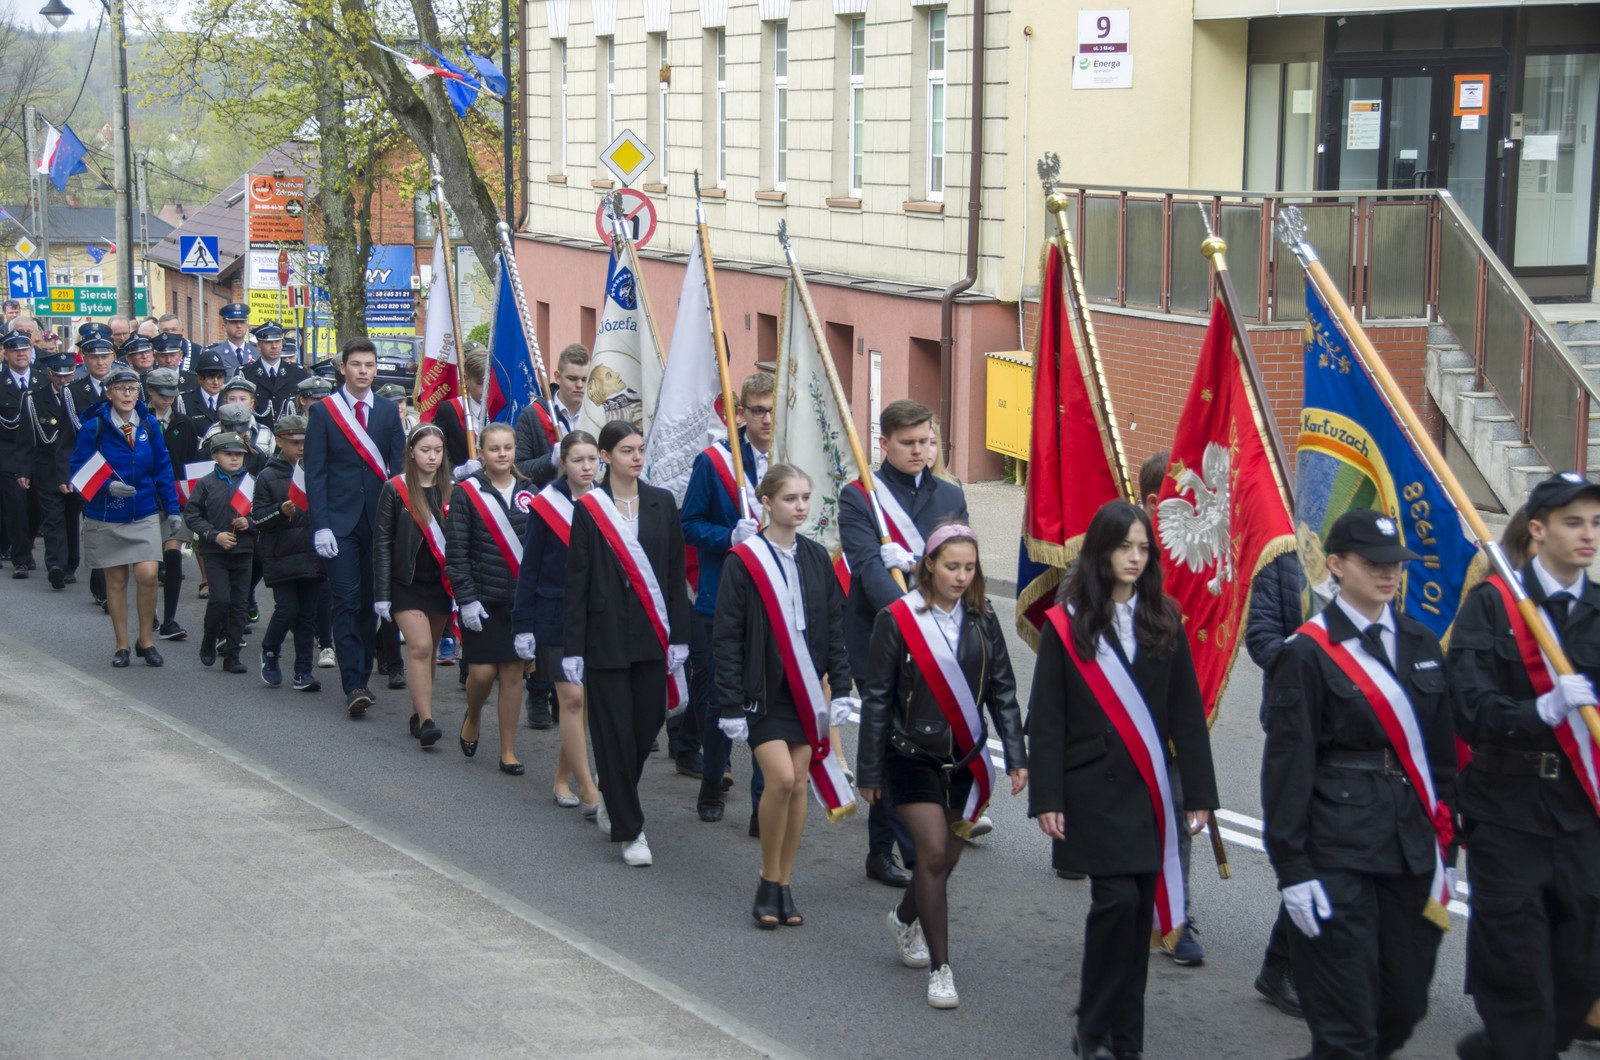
[396, 537]
[897, 705]
[477, 571]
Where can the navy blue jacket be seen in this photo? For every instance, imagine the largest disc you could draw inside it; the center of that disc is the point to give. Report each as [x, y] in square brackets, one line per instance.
[708, 519]
[1274, 616]
[146, 466]
[541, 595]
[340, 487]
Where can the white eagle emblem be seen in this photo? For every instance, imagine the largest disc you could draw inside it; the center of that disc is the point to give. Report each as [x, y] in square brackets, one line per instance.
[1196, 534]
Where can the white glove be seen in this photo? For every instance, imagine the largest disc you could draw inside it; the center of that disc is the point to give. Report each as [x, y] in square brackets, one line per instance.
[894, 557]
[174, 526]
[677, 655]
[524, 645]
[326, 545]
[1571, 692]
[383, 609]
[743, 530]
[122, 489]
[1307, 904]
[734, 728]
[472, 616]
[572, 669]
[839, 710]
[467, 470]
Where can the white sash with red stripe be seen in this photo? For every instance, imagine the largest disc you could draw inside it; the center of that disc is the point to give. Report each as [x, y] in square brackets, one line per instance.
[1113, 688]
[495, 520]
[1389, 701]
[827, 773]
[642, 579]
[901, 528]
[555, 508]
[432, 532]
[722, 459]
[1572, 734]
[344, 416]
[941, 670]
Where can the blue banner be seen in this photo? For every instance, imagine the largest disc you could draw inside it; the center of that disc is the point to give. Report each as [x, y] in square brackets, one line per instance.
[511, 357]
[1354, 454]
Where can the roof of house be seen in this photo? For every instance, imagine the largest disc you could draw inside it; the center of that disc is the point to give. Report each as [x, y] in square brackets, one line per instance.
[88, 224]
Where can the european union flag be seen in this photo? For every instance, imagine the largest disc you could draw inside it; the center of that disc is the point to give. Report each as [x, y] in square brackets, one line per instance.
[493, 77]
[96, 254]
[513, 383]
[1354, 454]
[462, 93]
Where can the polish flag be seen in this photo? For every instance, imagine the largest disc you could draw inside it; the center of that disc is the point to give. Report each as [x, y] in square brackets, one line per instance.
[92, 476]
[193, 473]
[245, 495]
[297, 489]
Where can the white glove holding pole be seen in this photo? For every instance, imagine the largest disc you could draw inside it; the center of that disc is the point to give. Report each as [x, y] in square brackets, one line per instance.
[734, 728]
[122, 489]
[1571, 692]
[325, 543]
[467, 470]
[1308, 905]
[524, 645]
[472, 616]
[677, 655]
[839, 710]
[743, 530]
[382, 608]
[896, 558]
[572, 669]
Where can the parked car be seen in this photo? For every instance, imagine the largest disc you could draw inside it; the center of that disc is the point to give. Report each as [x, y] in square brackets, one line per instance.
[397, 361]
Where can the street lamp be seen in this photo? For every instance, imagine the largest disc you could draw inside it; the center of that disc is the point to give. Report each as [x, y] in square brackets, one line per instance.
[56, 12]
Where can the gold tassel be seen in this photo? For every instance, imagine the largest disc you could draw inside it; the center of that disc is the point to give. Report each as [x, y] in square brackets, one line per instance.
[843, 812]
[1436, 914]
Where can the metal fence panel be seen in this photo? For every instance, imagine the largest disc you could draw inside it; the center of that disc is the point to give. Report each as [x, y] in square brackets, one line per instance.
[1241, 228]
[1191, 272]
[1458, 284]
[1397, 272]
[1328, 229]
[1502, 352]
[1142, 252]
[1553, 419]
[1099, 241]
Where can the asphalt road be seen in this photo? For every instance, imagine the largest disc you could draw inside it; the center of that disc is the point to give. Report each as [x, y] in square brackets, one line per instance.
[833, 988]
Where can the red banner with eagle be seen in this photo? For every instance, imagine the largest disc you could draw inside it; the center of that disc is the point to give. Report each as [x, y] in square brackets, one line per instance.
[1222, 515]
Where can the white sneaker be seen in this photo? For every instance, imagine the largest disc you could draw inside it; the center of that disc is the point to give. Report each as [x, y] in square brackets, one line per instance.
[637, 854]
[942, 988]
[326, 660]
[602, 820]
[908, 938]
[981, 827]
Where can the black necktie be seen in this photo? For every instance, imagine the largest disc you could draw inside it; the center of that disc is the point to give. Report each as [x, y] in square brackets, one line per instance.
[1372, 637]
[1559, 605]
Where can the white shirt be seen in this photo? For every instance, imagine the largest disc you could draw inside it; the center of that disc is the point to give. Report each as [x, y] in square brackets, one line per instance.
[948, 622]
[788, 562]
[1122, 623]
[507, 493]
[1548, 582]
[1361, 622]
[365, 399]
[270, 366]
[20, 380]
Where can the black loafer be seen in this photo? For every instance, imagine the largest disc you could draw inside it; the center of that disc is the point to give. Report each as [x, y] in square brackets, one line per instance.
[887, 871]
[468, 747]
[150, 656]
[1276, 986]
[710, 812]
[121, 657]
[58, 578]
[512, 769]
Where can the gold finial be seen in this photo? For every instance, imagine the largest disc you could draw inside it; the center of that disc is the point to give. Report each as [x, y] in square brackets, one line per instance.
[1214, 245]
[1058, 204]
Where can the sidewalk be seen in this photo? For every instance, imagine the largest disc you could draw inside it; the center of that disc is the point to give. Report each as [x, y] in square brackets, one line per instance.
[162, 895]
[995, 511]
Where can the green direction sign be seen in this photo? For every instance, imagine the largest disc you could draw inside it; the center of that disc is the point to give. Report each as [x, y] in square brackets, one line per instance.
[86, 302]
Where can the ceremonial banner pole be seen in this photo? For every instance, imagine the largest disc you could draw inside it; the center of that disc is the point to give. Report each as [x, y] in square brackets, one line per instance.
[1087, 346]
[1291, 232]
[630, 253]
[450, 288]
[862, 464]
[503, 230]
[720, 341]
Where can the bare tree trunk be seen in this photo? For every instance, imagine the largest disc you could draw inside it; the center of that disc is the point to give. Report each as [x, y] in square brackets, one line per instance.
[347, 261]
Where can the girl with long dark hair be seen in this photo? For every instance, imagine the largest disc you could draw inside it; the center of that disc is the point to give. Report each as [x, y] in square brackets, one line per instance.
[1114, 688]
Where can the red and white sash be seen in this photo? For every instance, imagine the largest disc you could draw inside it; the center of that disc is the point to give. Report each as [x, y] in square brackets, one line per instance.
[721, 458]
[1389, 701]
[827, 773]
[549, 424]
[936, 661]
[1113, 688]
[1572, 734]
[555, 508]
[432, 532]
[495, 520]
[344, 417]
[902, 531]
[642, 579]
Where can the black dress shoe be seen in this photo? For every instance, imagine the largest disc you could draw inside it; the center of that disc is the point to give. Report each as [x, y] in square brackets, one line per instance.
[150, 656]
[886, 870]
[430, 733]
[468, 747]
[121, 657]
[1276, 986]
[208, 649]
[232, 665]
[709, 804]
[1068, 874]
[58, 578]
[1475, 1046]
[514, 769]
[765, 908]
[416, 727]
[71, 579]
[19, 573]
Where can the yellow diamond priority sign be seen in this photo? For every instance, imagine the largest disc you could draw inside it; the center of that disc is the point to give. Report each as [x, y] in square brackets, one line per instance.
[628, 157]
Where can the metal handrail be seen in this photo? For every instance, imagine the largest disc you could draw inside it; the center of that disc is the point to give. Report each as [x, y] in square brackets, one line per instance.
[1442, 210]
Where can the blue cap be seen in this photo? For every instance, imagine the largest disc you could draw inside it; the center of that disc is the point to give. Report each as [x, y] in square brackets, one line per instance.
[209, 360]
[92, 347]
[167, 343]
[136, 344]
[234, 311]
[93, 329]
[60, 364]
[271, 331]
[16, 340]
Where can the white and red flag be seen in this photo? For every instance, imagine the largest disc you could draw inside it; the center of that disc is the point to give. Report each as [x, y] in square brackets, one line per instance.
[245, 495]
[92, 476]
[297, 488]
[437, 381]
[192, 473]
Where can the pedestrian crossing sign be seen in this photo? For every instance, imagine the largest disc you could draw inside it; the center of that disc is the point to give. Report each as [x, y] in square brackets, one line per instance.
[198, 254]
[628, 157]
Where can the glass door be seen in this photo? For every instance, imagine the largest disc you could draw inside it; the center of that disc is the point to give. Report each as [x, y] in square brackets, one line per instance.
[1385, 134]
[1556, 166]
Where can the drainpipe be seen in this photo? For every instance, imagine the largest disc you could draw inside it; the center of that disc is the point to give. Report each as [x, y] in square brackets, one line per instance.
[947, 300]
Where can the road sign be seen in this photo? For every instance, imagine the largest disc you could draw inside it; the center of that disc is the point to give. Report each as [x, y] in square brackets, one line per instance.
[25, 247]
[628, 157]
[638, 212]
[283, 268]
[26, 278]
[198, 255]
[85, 302]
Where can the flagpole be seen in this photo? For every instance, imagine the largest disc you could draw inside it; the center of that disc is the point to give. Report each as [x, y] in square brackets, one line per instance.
[450, 291]
[621, 237]
[1087, 347]
[535, 354]
[720, 341]
[862, 465]
[1291, 232]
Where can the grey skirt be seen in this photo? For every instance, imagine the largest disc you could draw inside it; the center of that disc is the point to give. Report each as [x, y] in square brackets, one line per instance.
[119, 544]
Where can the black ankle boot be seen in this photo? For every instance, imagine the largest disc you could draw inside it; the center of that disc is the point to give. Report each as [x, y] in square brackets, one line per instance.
[766, 910]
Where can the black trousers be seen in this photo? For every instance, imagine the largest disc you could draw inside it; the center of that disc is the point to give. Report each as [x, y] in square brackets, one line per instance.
[1364, 981]
[1533, 945]
[388, 648]
[1116, 960]
[72, 512]
[626, 709]
[60, 538]
[294, 607]
[228, 574]
[1277, 955]
[14, 513]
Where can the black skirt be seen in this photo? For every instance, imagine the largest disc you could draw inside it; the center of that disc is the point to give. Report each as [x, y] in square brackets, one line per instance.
[495, 643]
[425, 591]
[780, 721]
[920, 779]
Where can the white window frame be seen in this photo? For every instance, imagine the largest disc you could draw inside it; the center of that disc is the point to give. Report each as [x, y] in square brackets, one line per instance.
[938, 101]
[93, 278]
[661, 110]
[858, 96]
[563, 136]
[722, 107]
[61, 277]
[780, 105]
[610, 111]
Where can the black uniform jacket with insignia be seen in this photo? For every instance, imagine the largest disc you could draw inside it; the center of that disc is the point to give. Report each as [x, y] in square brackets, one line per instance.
[275, 391]
[1495, 709]
[54, 435]
[1326, 816]
[16, 434]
